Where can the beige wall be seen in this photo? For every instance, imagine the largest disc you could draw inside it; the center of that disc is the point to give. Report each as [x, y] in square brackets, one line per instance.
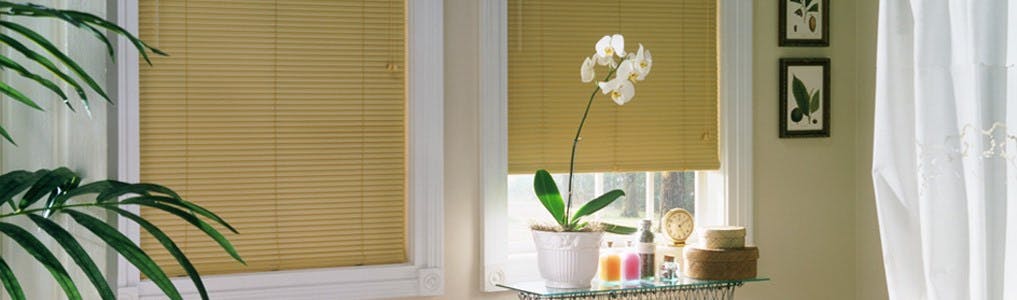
[870, 282]
[815, 220]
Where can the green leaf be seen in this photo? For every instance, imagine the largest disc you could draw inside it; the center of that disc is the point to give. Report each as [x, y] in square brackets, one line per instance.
[10, 64]
[807, 2]
[547, 192]
[796, 115]
[128, 250]
[170, 246]
[814, 8]
[814, 106]
[38, 250]
[140, 45]
[81, 20]
[798, 12]
[77, 253]
[90, 188]
[190, 218]
[53, 50]
[7, 136]
[46, 63]
[597, 204]
[47, 184]
[10, 282]
[618, 229]
[17, 183]
[119, 189]
[801, 94]
[175, 200]
[17, 95]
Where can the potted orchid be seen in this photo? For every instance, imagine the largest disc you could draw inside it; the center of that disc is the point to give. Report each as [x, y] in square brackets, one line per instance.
[567, 251]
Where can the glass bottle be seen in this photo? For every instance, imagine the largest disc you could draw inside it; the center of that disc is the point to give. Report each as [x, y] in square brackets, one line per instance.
[646, 250]
[668, 270]
[630, 265]
[610, 264]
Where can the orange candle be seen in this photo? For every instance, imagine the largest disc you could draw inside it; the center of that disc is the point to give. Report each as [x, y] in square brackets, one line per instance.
[610, 264]
[613, 267]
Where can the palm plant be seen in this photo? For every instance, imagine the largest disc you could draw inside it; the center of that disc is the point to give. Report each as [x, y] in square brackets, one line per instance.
[61, 188]
[94, 24]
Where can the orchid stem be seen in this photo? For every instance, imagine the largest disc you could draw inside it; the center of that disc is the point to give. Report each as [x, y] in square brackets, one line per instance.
[575, 142]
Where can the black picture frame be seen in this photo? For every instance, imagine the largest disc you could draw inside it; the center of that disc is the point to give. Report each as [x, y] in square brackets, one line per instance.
[824, 30]
[787, 118]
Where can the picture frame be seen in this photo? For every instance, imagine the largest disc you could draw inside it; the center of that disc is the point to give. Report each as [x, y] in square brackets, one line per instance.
[802, 80]
[804, 23]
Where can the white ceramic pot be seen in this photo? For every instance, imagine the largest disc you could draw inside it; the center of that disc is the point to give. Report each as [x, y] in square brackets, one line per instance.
[567, 259]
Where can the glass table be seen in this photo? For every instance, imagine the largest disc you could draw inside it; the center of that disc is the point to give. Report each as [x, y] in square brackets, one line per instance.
[683, 289]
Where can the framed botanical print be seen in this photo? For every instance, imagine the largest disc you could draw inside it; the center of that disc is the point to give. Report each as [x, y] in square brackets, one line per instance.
[804, 23]
[804, 97]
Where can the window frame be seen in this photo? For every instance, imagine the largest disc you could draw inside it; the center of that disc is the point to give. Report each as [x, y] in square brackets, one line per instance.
[723, 197]
[422, 275]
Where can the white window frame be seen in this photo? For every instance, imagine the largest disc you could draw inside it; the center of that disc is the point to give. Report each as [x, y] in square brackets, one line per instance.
[732, 204]
[423, 275]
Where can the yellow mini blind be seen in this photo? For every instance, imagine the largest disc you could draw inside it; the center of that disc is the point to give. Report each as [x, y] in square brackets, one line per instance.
[285, 117]
[671, 124]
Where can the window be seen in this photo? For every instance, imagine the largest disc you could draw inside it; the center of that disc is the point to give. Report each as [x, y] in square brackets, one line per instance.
[701, 107]
[300, 122]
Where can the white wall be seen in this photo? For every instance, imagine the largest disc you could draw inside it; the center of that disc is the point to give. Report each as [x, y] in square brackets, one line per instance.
[57, 137]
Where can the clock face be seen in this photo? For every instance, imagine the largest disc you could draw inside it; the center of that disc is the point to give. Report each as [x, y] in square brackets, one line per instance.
[678, 224]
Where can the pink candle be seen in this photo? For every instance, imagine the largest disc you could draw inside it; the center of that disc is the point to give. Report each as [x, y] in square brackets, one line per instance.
[630, 268]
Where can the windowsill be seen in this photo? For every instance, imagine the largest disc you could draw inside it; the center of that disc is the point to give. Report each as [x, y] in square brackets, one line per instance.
[351, 282]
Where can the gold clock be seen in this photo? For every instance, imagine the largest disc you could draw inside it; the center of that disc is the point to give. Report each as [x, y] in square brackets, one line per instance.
[677, 224]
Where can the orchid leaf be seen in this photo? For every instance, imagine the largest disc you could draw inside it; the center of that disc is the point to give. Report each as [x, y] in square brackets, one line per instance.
[597, 204]
[547, 192]
[618, 229]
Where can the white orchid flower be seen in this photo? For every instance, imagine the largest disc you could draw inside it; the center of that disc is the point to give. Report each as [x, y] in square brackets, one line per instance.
[642, 63]
[609, 46]
[620, 89]
[586, 71]
[627, 70]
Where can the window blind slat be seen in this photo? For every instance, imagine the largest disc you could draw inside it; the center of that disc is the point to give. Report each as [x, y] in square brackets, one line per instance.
[670, 125]
[284, 117]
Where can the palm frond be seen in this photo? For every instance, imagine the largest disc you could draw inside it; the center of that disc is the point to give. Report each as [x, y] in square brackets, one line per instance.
[61, 187]
[98, 27]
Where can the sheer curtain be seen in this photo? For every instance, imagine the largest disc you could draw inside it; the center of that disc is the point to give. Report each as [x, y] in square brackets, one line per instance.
[944, 166]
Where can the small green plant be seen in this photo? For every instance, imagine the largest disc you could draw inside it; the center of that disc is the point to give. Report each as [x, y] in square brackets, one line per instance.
[806, 105]
[631, 68]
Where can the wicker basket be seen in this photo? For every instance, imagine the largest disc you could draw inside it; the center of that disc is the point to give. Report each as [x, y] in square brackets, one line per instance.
[721, 264]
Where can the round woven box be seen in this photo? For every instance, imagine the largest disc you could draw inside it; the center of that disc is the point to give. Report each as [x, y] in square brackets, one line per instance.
[726, 237]
[721, 264]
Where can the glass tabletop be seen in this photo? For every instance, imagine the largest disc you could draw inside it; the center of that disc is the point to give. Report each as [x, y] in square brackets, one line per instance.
[538, 288]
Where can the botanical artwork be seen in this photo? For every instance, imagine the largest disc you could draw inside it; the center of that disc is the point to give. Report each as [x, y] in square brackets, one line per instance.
[804, 23]
[804, 97]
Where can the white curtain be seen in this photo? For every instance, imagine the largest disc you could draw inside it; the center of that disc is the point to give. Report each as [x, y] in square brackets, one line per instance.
[944, 165]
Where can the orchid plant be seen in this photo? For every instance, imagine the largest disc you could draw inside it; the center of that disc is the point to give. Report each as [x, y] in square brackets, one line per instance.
[627, 69]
